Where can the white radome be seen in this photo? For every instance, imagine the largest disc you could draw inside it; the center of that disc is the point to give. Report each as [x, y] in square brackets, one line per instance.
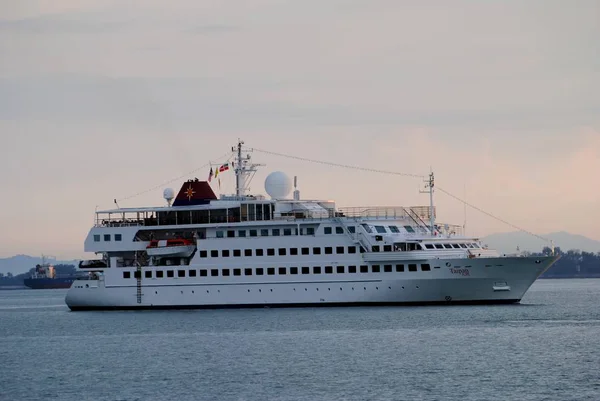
[168, 194]
[278, 185]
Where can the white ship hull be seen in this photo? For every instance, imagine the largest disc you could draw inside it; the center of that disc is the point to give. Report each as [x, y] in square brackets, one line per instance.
[485, 281]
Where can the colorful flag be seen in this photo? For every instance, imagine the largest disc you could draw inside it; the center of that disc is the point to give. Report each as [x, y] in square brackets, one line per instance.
[210, 175]
[224, 167]
[216, 172]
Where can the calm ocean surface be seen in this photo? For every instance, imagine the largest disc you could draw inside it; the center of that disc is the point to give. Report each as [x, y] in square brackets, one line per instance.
[547, 348]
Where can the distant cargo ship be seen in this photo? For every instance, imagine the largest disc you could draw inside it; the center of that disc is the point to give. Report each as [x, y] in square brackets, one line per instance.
[45, 277]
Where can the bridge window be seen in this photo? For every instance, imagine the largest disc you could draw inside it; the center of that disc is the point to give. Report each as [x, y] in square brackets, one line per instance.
[352, 229]
[447, 246]
[327, 230]
[455, 246]
[409, 229]
[107, 237]
[429, 246]
[380, 229]
[367, 228]
[439, 246]
[96, 238]
[118, 237]
[339, 230]
[394, 229]
[463, 246]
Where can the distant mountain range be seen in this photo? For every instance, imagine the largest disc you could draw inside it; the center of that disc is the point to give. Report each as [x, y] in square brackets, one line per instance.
[508, 242]
[22, 263]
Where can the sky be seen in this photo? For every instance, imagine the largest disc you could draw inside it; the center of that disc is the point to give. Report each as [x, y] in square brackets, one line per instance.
[103, 100]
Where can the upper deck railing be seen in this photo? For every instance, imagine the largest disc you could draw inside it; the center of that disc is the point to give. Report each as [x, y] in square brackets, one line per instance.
[417, 214]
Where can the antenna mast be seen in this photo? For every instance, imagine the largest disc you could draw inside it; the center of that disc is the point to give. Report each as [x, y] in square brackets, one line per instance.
[429, 184]
[244, 169]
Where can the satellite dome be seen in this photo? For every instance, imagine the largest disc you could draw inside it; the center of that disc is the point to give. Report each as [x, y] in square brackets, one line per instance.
[278, 185]
[168, 194]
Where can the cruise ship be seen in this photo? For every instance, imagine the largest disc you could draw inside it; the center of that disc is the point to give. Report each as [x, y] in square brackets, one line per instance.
[244, 250]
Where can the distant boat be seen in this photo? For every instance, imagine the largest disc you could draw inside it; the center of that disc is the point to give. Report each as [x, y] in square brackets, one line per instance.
[45, 277]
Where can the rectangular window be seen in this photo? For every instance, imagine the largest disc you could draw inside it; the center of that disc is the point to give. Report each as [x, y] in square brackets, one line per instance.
[219, 234]
[170, 273]
[328, 250]
[214, 254]
[192, 273]
[429, 246]
[439, 246]
[352, 229]
[339, 230]
[137, 274]
[148, 274]
[159, 274]
[96, 238]
[230, 233]
[247, 252]
[214, 272]
[317, 270]
[259, 252]
[305, 270]
[260, 271]
[412, 268]
[282, 270]
[126, 274]
[254, 233]
[225, 253]
[287, 231]
[351, 269]
[316, 251]
[455, 246]
[276, 232]
[394, 229]
[375, 268]
[367, 228]
[375, 248]
[203, 254]
[425, 267]
[293, 270]
[107, 237]
[247, 272]
[380, 229]
[409, 229]
[264, 232]
[118, 237]
[237, 272]
[225, 272]
[327, 230]
[310, 231]
[387, 248]
[340, 269]
[305, 251]
[203, 273]
[387, 268]
[180, 273]
[364, 269]
[282, 251]
[270, 252]
[351, 249]
[293, 251]
[399, 268]
[241, 233]
[271, 271]
[339, 249]
[328, 269]
[237, 253]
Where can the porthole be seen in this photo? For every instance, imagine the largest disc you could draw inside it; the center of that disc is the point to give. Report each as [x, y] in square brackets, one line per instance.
[271, 290]
[156, 292]
[259, 290]
[417, 286]
[192, 291]
[390, 288]
[248, 290]
[207, 291]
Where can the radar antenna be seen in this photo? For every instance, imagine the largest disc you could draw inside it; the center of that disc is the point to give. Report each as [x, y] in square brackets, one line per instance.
[244, 169]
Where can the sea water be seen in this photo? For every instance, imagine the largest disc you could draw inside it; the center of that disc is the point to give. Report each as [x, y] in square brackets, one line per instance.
[546, 348]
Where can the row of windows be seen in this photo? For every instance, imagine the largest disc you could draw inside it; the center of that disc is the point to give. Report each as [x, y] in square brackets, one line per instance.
[271, 271]
[225, 253]
[118, 237]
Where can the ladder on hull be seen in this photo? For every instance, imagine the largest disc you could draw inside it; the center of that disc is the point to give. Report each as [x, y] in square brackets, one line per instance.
[138, 277]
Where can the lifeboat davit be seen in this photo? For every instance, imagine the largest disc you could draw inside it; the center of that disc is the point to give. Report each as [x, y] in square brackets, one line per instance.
[177, 248]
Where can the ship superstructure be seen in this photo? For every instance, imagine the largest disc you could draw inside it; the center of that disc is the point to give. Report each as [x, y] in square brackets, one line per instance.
[245, 250]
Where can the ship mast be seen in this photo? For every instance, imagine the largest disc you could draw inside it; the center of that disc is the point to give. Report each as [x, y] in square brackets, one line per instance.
[244, 169]
[429, 184]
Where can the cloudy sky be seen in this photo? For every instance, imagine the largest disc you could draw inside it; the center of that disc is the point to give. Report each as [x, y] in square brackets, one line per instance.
[102, 100]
